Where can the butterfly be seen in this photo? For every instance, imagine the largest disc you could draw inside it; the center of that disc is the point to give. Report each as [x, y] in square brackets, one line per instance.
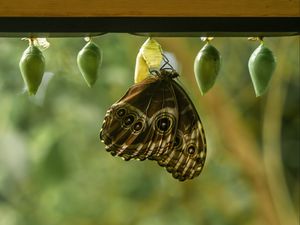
[157, 120]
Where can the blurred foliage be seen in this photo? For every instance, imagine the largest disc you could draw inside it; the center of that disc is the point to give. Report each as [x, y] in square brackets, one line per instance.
[54, 169]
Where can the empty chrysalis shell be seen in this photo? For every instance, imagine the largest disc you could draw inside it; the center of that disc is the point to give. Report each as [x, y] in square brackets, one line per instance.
[89, 60]
[141, 68]
[261, 66]
[32, 66]
[206, 67]
[152, 53]
[149, 57]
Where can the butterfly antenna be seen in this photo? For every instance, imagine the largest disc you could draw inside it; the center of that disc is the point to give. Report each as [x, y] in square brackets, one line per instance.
[166, 62]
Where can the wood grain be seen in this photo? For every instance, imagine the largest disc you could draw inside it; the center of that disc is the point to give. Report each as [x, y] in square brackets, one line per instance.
[146, 8]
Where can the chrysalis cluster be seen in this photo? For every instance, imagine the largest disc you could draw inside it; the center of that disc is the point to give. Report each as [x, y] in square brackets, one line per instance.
[207, 64]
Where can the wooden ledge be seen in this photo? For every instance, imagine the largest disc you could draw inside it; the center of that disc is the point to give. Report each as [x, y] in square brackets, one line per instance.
[149, 26]
[146, 8]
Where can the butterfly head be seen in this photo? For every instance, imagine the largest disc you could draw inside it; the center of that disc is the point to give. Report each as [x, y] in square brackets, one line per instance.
[165, 73]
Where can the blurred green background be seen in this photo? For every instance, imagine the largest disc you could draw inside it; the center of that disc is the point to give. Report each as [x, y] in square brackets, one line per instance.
[54, 169]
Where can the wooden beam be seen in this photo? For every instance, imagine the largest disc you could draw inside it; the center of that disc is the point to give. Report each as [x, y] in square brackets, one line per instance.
[149, 26]
[146, 8]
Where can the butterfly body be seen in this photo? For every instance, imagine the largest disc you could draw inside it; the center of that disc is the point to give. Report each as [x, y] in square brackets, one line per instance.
[156, 120]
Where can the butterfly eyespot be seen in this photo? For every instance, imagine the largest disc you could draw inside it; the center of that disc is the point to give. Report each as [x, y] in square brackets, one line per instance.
[138, 126]
[121, 112]
[191, 150]
[177, 141]
[163, 124]
[128, 120]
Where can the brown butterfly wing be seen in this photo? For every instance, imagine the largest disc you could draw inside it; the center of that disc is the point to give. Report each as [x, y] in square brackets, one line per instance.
[156, 120]
[142, 124]
[186, 159]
